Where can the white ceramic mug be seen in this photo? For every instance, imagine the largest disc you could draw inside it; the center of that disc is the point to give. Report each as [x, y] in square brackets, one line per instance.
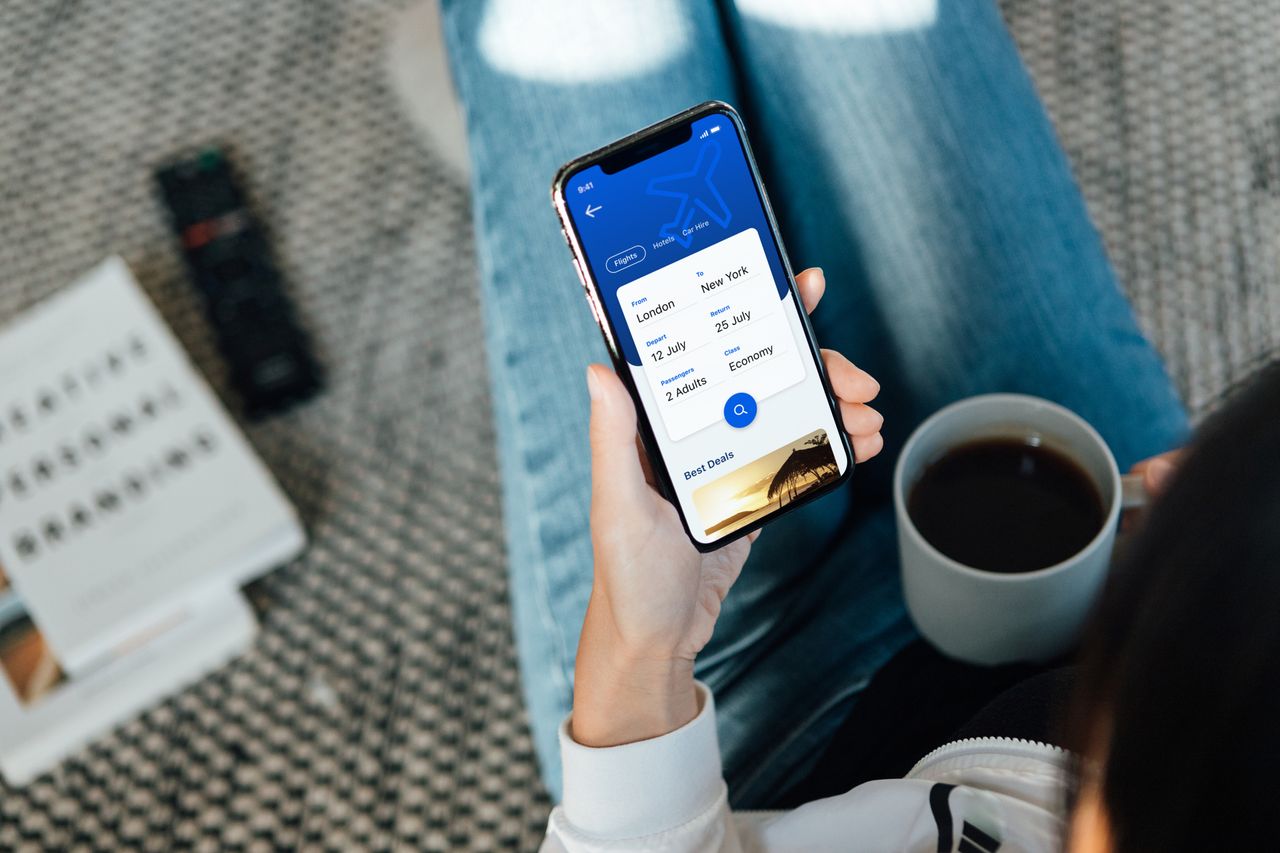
[989, 617]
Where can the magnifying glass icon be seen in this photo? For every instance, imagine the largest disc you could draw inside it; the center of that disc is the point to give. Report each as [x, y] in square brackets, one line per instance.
[740, 410]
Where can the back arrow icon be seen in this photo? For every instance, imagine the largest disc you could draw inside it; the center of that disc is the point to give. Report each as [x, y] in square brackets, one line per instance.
[591, 211]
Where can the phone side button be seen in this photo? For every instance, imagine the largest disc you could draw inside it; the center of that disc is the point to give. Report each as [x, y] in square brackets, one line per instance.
[597, 310]
[581, 275]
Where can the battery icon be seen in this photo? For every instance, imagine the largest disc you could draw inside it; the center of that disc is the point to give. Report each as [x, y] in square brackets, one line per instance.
[715, 129]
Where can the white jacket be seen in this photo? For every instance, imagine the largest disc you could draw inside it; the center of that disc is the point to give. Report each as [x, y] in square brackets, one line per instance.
[666, 794]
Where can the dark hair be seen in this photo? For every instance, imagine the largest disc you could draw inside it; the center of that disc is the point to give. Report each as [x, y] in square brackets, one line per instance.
[1179, 692]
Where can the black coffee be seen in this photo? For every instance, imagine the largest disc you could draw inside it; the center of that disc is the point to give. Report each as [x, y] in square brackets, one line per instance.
[1004, 505]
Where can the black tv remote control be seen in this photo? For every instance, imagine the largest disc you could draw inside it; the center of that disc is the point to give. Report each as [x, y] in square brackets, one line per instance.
[269, 355]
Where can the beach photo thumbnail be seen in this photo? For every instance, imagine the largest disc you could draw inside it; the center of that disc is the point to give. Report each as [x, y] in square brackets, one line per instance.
[766, 484]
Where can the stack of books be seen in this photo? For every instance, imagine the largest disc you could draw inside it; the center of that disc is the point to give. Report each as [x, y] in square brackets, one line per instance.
[132, 510]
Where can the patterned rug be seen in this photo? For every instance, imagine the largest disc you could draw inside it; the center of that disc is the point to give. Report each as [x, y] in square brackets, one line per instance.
[380, 708]
[1171, 115]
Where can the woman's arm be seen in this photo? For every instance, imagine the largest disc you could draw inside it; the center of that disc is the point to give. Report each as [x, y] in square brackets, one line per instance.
[655, 599]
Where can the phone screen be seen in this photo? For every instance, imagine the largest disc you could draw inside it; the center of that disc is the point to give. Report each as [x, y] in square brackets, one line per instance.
[690, 274]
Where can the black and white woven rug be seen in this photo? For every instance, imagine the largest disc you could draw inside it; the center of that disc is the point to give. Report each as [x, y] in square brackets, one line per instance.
[380, 708]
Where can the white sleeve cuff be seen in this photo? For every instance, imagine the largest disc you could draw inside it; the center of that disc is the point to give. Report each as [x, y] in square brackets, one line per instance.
[645, 787]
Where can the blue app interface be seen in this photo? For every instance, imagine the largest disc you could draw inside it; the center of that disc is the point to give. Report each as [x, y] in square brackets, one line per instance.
[692, 282]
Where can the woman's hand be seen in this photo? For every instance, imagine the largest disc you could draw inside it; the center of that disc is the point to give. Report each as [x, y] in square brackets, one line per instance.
[1156, 473]
[655, 599]
[1157, 470]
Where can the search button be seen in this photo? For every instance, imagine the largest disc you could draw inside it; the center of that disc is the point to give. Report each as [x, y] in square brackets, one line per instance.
[740, 410]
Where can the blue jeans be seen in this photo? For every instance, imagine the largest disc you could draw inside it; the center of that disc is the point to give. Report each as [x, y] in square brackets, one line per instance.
[908, 155]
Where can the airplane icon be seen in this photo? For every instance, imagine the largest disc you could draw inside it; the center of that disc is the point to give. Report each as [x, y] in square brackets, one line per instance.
[696, 194]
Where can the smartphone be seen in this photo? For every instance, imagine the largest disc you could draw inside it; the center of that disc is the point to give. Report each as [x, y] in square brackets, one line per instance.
[675, 243]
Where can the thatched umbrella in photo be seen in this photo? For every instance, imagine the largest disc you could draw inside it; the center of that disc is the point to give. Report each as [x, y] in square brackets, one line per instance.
[805, 466]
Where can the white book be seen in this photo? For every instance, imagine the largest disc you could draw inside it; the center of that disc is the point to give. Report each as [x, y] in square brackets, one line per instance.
[131, 507]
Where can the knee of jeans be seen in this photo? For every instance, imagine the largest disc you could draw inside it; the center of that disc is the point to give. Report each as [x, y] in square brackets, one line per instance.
[843, 17]
[567, 42]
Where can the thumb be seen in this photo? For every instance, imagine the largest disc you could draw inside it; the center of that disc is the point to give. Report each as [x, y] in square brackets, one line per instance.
[616, 473]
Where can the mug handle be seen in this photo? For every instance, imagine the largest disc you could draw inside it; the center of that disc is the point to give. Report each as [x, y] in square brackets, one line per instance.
[1133, 492]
